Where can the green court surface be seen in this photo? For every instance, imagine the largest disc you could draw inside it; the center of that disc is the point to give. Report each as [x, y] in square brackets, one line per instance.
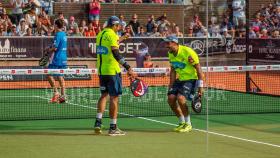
[238, 125]
[229, 136]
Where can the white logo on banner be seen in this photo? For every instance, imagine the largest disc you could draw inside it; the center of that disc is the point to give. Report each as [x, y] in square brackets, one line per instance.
[6, 49]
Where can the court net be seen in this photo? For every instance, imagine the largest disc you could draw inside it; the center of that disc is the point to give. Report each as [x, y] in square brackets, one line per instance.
[25, 93]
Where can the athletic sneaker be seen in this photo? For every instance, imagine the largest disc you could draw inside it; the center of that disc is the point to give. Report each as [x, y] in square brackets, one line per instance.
[98, 126]
[62, 99]
[55, 98]
[116, 132]
[186, 128]
[179, 127]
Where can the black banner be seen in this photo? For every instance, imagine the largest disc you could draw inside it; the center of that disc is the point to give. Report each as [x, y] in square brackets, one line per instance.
[20, 48]
[264, 50]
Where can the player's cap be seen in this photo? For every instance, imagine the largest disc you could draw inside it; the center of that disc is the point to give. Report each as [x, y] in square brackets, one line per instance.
[113, 20]
[171, 38]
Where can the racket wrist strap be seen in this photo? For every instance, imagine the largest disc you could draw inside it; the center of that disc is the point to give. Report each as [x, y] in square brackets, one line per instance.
[126, 66]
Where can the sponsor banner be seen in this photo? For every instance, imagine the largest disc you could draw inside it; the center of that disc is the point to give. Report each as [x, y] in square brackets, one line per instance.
[33, 73]
[13, 48]
[265, 50]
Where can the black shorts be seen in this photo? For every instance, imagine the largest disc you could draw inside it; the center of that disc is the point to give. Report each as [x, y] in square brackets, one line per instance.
[185, 88]
[111, 84]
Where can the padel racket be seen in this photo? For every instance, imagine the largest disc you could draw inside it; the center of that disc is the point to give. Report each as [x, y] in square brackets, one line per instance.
[196, 104]
[138, 87]
[45, 59]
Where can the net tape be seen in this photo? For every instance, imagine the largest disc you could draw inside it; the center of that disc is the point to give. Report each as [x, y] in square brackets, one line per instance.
[137, 70]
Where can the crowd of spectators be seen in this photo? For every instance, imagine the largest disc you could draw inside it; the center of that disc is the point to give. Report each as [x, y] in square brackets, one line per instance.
[130, 1]
[31, 18]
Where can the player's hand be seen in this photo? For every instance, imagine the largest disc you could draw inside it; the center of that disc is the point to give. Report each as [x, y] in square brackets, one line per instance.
[131, 74]
[200, 91]
[124, 37]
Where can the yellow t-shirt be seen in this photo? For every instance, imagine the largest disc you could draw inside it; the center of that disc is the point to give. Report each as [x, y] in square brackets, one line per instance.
[184, 62]
[106, 63]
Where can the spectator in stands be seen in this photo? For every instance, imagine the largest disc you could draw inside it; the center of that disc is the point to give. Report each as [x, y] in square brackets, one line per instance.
[190, 32]
[135, 24]
[121, 31]
[122, 21]
[238, 7]
[29, 32]
[257, 22]
[22, 27]
[142, 32]
[72, 22]
[17, 9]
[148, 61]
[77, 32]
[83, 24]
[40, 31]
[12, 31]
[96, 26]
[225, 33]
[264, 34]
[163, 23]
[177, 31]
[4, 18]
[214, 30]
[136, 1]
[164, 33]
[150, 24]
[196, 25]
[155, 32]
[274, 22]
[128, 31]
[35, 4]
[252, 33]
[61, 16]
[158, 1]
[70, 31]
[90, 31]
[32, 18]
[226, 24]
[275, 34]
[277, 11]
[94, 10]
[44, 19]
[2, 30]
[241, 32]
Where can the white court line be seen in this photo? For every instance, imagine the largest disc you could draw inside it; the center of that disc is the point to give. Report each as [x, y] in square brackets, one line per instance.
[171, 124]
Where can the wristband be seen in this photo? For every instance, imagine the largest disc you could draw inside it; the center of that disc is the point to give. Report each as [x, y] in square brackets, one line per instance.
[199, 83]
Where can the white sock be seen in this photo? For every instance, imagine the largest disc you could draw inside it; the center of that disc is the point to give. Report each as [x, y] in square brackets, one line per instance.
[188, 119]
[182, 119]
[113, 121]
[99, 115]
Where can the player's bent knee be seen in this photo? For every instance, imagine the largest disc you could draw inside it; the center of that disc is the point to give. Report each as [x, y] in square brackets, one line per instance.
[171, 99]
[181, 99]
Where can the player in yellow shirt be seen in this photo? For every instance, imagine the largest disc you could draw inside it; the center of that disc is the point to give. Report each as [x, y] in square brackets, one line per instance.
[185, 77]
[109, 71]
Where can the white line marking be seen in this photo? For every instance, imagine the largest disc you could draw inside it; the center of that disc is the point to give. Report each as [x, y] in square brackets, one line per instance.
[171, 124]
